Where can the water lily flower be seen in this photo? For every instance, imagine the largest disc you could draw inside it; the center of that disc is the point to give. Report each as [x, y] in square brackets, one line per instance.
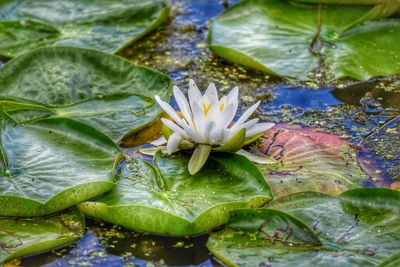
[206, 122]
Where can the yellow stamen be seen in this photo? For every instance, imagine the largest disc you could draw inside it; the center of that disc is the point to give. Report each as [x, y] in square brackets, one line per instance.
[206, 108]
[221, 107]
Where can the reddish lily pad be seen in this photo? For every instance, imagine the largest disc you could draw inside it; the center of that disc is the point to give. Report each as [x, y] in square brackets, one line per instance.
[309, 160]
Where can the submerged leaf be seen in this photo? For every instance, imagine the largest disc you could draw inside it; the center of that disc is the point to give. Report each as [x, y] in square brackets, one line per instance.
[167, 200]
[309, 161]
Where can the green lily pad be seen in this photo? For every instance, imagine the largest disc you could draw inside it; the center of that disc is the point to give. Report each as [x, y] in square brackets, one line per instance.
[100, 25]
[52, 164]
[358, 228]
[165, 199]
[285, 39]
[391, 261]
[24, 236]
[309, 160]
[102, 90]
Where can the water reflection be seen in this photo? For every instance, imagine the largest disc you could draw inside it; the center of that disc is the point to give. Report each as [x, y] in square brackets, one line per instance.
[303, 98]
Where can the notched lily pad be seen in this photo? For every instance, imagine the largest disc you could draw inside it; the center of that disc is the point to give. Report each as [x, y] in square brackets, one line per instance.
[292, 40]
[309, 161]
[107, 92]
[100, 25]
[357, 228]
[52, 164]
[24, 236]
[165, 199]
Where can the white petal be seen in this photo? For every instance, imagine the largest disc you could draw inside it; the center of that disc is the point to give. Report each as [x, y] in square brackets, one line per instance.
[223, 100]
[248, 124]
[245, 115]
[194, 135]
[173, 143]
[173, 114]
[183, 105]
[209, 126]
[216, 135]
[226, 135]
[226, 116]
[259, 128]
[255, 158]
[213, 112]
[184, 130]
[192, 85]
[159, 142]
[212, 93]
[222, 104]
[194, 93]
[198, 116]
[173, 126]
[167, 108]
[233, 95]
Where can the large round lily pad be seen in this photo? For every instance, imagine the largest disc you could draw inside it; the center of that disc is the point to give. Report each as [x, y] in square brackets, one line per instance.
[293, 40]
[165, 199]
[24, 236]
[309, 160]
[358, 228]
[102, 90]
[51, 165]
[107, 26]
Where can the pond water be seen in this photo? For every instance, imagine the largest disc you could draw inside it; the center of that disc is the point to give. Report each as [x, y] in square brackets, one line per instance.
[179, 49]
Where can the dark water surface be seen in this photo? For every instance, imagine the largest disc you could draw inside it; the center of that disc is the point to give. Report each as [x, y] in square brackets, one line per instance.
[179, 49]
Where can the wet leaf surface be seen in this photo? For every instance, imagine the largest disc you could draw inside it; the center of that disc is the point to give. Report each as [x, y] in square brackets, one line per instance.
[179, 49]
[287, 39]
[51, 165]
[104, 91]
[359, 227]
[105, 26]
[167, 200]
[23, 236]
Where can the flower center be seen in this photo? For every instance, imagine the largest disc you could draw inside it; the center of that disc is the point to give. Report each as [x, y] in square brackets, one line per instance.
[206, 108]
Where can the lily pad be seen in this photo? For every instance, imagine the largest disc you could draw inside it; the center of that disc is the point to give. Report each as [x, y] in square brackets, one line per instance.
[165, 199]
[102, 90]
[292, 40]
[52, 164]
[357, 228]
[24, 236]
[100, 25]
[309, 161]
[391, 261]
